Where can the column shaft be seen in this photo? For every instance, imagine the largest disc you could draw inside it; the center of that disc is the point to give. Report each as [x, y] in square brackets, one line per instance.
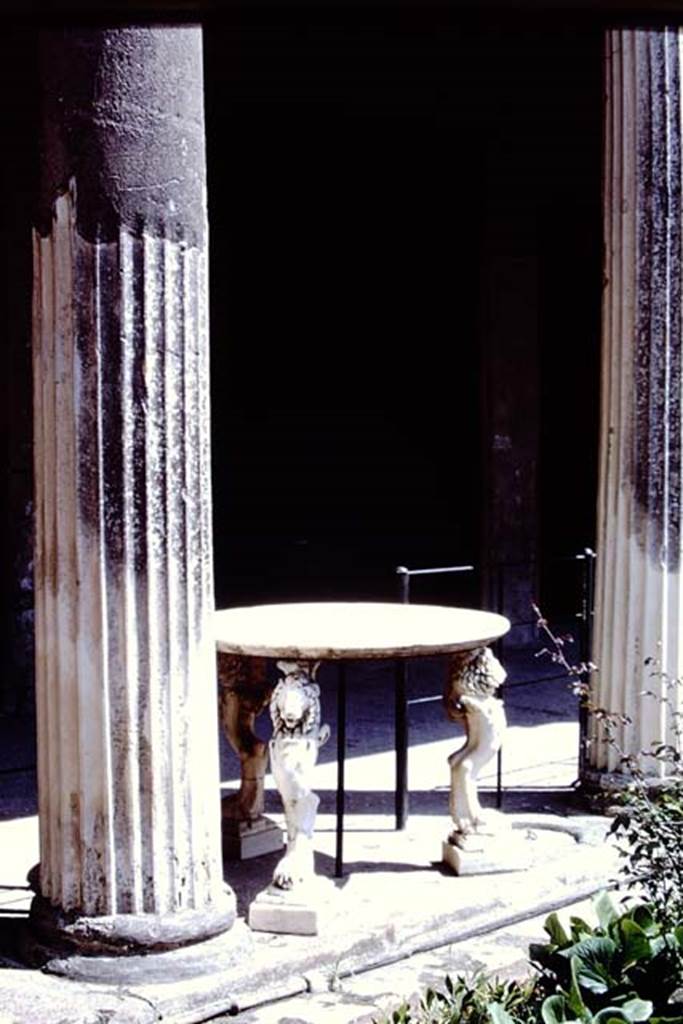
[638, 579]
[128, 754]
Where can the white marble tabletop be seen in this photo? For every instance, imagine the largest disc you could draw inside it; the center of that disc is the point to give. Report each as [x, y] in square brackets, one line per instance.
[331, 630]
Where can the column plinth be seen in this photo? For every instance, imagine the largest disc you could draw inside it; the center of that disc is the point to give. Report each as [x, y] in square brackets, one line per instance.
[125, 661]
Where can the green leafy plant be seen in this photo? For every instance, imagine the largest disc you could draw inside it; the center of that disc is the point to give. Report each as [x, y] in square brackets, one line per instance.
[650, 818]
[649, 822]
[627, 967]
[478, 1000]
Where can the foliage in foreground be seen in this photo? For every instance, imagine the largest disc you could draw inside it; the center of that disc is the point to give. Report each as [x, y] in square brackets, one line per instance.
[479, 1000]
[649, 825]
[629, 967]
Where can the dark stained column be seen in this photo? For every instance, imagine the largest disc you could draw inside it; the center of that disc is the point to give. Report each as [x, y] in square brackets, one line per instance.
[125, 657]
[639, 610]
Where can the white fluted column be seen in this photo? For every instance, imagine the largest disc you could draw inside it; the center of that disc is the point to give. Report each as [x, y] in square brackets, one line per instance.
[638, 578]
[125, 658]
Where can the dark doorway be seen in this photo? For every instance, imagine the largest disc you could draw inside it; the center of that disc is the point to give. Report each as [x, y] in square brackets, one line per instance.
[352, 157]
[344, 279]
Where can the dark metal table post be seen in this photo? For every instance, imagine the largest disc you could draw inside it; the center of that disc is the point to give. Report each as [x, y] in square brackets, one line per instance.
[341, 759]
[401, 726]
[500, 600]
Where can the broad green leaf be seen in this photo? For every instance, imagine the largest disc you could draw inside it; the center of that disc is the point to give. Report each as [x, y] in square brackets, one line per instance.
[609, 1014]
[554, 1011]
[642, 915]
[637, 1009]
[595, 962]
[575, 998]
[635, 944]
[606, 909]
[499, 1014]
[580, 928]
[555, 930]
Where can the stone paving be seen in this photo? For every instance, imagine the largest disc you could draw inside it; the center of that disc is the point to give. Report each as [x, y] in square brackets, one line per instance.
[398, 919]
[370, 996]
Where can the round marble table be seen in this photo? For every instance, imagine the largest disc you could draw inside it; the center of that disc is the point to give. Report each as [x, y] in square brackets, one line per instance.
[333, 630]
[343, 631]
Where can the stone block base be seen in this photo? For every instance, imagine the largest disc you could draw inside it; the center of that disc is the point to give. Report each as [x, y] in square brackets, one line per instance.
[298, 911]
[243, 840]
[474, 854]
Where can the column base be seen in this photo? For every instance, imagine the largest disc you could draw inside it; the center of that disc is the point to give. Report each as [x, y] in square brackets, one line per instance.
[55, 934]
[198, 975]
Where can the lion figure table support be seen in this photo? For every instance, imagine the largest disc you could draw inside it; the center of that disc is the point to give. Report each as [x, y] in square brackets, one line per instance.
[470, 698]
[474, 843]
[297, 737]
[292, 903]
[244, 693]
[298, 635]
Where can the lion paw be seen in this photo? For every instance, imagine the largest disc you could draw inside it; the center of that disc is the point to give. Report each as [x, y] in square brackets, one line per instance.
[295, 868]
[285, 874]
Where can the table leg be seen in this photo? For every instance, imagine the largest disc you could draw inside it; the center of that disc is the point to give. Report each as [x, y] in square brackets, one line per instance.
[341, 763]
[298, 899]
[297, 736]
[401, 743]
[479, 841]
[469, 697]
[244, 692]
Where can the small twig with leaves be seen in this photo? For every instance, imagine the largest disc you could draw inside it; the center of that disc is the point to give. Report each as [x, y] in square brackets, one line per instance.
[579, 675]
[650, 819]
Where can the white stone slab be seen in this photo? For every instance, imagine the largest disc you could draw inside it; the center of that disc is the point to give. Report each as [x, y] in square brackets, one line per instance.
[243, 840]
[353, 629]
[298, 911]
[488, 855]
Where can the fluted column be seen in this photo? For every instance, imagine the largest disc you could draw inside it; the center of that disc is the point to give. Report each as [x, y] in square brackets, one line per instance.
[125, 659]
[638, 595]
